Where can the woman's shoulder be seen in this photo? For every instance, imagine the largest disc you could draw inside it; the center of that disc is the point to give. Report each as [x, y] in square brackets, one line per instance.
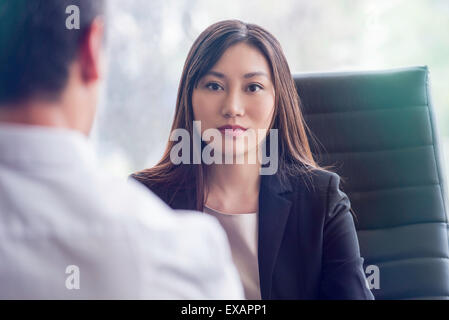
[313, 180]
[152, 184]
[176, 196]
[140, 177]
[323, 188]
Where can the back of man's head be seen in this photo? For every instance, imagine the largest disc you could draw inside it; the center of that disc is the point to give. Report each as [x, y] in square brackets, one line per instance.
[37, 46]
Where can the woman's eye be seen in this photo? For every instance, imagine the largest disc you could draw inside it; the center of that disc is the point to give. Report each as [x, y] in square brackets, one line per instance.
[254, 87]
[213, 86]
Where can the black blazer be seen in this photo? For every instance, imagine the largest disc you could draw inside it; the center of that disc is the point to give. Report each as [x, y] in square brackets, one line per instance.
[308, 246]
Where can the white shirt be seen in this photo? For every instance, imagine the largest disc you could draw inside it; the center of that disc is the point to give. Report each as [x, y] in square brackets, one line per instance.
[242, 232]
[115, 239]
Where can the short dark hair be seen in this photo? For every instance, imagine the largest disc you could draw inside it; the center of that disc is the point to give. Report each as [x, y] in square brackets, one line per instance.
[36, 47]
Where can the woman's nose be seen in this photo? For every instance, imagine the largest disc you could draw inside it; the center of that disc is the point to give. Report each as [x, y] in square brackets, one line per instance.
[233, 104]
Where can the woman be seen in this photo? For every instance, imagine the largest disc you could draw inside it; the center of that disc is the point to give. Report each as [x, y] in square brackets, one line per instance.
[291, 233]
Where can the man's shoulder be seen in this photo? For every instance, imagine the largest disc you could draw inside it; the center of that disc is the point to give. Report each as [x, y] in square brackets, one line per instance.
[183, 239]
[132, 199]
[143, 206]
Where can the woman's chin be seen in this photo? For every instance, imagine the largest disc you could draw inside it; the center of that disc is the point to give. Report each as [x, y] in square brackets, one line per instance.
[240, 156]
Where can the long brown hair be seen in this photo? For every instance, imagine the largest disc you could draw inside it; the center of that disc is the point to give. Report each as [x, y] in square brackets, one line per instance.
[294, 150]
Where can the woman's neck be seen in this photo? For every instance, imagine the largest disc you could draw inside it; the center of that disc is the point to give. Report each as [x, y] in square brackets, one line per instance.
[233, 188]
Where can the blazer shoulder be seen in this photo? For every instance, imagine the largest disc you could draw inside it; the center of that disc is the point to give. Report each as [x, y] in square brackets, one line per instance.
[316, 181]
[322, 190]
[334, 199]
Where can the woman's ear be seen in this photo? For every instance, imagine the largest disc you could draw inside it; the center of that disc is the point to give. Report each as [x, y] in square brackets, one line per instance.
[91, 50]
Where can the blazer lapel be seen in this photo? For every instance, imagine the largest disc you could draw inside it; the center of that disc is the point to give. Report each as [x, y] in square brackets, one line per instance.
[274, 209]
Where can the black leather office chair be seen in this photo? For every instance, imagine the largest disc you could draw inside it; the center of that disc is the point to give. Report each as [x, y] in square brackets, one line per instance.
[377, 129]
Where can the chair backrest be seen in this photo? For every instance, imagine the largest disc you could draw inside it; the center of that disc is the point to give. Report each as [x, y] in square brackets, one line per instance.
[377, 130]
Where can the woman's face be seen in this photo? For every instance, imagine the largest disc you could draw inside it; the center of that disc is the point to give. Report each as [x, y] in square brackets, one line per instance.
[237, 94]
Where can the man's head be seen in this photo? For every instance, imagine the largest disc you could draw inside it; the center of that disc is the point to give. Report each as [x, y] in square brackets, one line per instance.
[48, 72]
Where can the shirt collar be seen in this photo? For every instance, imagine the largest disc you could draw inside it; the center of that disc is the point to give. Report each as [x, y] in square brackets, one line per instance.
[23, 145]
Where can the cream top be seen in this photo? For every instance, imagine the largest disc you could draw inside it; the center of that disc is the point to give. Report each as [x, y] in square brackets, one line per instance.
[242, 232]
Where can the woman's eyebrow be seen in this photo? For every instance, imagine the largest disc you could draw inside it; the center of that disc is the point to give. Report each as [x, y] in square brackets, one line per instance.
[217, 74]
[246, 76]
[257, 73]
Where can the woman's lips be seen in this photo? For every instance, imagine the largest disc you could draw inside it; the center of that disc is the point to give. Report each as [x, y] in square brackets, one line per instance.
[232, 131]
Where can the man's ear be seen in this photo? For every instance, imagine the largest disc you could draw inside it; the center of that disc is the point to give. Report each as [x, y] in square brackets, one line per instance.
[91, 51]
